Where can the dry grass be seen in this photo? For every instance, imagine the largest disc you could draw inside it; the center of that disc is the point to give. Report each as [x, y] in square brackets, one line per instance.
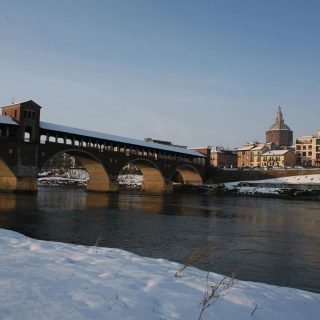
[194, 258]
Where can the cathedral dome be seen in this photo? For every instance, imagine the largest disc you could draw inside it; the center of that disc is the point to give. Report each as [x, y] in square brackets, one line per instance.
[279, 133]
[279, 122]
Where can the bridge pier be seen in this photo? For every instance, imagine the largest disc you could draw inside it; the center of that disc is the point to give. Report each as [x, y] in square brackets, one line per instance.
[14, 184]
[96, 186]
[26, 185]
[149, 186]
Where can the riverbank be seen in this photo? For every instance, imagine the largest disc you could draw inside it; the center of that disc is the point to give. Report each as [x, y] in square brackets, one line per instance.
[50, 280]
[306, 187]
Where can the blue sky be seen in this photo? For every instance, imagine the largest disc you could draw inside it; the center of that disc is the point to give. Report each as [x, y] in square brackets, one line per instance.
[193, 72]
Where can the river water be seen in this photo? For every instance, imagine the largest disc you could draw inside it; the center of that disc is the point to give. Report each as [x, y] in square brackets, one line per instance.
[275, 241]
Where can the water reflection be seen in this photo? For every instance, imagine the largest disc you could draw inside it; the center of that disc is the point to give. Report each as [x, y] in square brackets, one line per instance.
[278, 239]
[59, 199]
[152, 203]
[8, 202]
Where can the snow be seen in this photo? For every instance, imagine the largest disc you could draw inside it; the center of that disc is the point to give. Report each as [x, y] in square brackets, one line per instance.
[51, 280]
[264, 187]
[302, 179]
[61, 181]
[80, 178]
[110, 137]
[275, 152]
[245, 148]
[132, 181]
[67, 177]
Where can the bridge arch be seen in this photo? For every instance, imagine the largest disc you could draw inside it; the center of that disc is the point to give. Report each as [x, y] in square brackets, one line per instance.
[187, 174]
[152, 177]
[98, 176]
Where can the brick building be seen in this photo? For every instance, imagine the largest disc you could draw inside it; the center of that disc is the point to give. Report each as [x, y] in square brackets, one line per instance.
[279, 133]
[250, 154]
[220, 157]
[244, 155]
[308, 150]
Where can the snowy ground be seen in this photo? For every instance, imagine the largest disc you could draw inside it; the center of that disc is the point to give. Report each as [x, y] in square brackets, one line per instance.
[307, 179]
[50, 280]
[61, 181]
[132, 181]
[265, 187]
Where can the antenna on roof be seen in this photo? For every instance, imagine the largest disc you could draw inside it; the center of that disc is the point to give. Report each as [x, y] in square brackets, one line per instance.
[12, 100]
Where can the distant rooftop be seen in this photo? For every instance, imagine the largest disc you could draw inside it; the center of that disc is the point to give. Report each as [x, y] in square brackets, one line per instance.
[275, 152]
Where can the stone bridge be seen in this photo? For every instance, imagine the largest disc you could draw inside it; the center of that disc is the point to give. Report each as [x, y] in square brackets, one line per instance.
[26, 144]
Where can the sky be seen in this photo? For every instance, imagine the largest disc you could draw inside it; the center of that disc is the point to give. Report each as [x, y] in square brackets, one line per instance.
[194, 72]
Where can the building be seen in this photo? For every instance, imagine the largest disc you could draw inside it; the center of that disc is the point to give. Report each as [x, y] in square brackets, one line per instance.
[308, 150]
[316, 150]
[223, 158]
[278, 159]
[167, 143]
[27, 115]
[244, 155]
[250, 154]
[220, 157]
[256, 153]
[304, 150]
[279, 133]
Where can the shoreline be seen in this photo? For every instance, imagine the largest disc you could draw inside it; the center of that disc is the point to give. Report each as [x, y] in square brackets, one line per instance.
[86, 282]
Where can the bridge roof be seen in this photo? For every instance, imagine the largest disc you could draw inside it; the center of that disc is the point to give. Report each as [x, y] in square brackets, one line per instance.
[7, 120]
[111, 137]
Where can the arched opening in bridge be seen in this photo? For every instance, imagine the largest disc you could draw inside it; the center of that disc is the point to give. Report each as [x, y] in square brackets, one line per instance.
[75, 168]
[130, 177]
[142, 174]
[187, 174]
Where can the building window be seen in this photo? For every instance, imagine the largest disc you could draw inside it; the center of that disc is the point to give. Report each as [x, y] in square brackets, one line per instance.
[310, 153]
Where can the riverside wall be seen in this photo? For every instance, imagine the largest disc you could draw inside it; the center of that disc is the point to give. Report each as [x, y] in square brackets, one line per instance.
[228, 175]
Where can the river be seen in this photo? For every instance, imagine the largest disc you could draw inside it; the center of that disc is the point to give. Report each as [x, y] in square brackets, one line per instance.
[275, 241]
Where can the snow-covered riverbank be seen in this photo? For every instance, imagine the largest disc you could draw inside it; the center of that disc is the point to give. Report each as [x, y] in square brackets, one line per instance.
[295, 185]
[49, 280]
[130, 181]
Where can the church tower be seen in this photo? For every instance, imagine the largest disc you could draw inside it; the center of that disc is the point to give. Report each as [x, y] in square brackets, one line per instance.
[279, 133]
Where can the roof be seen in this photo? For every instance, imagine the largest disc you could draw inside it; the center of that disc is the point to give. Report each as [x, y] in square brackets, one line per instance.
[24, 103]
[111, 137]
[246, 148]
[258, 148]
[275, 152]
[7, 120]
